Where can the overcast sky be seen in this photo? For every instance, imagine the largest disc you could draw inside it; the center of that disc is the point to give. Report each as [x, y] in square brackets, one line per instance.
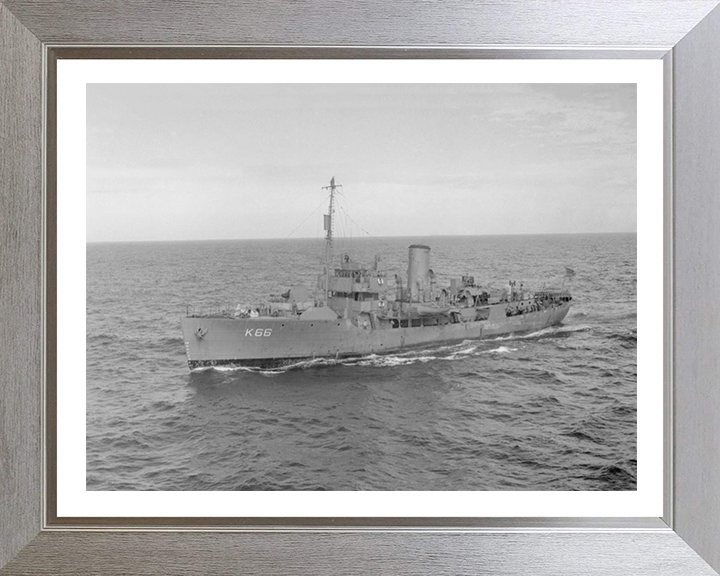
[225, 161]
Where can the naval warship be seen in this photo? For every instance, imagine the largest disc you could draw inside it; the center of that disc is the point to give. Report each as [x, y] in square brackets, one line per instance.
[359, 310]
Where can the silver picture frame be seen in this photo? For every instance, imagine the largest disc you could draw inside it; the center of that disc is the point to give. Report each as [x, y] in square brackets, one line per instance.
[685, 34]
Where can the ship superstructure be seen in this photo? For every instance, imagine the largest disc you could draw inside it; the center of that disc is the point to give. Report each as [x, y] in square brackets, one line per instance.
[362, 309]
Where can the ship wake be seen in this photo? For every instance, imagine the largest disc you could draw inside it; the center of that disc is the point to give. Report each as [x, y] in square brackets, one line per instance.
[549, 332]
[459, 351]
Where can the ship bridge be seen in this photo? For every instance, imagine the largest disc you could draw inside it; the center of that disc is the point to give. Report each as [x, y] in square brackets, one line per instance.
[354, 288]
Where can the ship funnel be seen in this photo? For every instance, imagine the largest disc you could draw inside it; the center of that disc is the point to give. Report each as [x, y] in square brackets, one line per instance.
[418, 272]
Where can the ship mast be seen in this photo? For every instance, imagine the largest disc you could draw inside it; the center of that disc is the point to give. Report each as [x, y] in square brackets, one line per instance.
[328, 221]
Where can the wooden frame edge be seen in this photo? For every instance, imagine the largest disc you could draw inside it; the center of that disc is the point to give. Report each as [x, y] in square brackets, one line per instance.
[20, 298]
[47, 544]
[696, 395]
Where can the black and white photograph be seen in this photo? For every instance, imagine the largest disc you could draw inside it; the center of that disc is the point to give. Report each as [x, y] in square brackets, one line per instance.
[361, 287]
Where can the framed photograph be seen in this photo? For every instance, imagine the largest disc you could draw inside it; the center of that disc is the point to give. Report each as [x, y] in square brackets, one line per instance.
[344, 306]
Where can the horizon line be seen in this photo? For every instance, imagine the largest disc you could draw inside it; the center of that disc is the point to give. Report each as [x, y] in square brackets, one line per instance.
[354, 238]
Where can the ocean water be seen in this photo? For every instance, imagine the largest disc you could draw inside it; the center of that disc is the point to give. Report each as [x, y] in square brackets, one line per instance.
[549, 410]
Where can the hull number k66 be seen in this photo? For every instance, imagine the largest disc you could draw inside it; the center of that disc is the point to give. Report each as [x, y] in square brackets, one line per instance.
[258, 332]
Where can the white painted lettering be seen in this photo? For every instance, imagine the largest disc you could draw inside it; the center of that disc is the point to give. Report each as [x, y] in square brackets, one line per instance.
[257, 332]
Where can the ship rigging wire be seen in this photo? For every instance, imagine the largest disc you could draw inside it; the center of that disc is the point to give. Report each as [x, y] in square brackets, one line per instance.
[308, 217]
[363, 229]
